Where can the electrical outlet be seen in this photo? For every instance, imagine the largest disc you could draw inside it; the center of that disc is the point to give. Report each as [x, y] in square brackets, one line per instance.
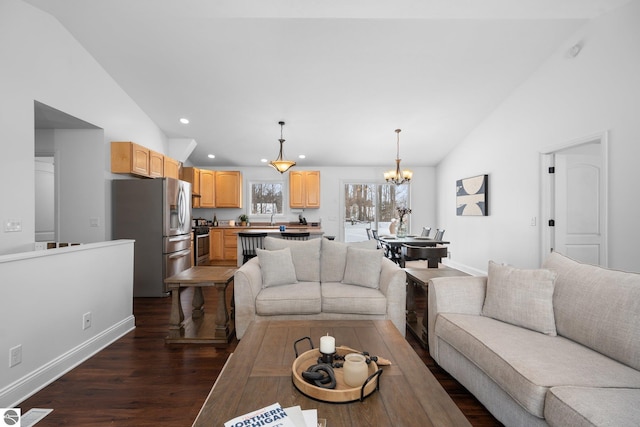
[15, 355]
[86, 320]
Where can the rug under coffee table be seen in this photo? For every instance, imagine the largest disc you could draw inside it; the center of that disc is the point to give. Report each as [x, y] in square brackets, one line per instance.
[259, 374]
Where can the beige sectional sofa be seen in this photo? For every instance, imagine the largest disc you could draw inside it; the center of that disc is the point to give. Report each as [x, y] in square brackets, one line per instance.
[557, 346]
[318, 279]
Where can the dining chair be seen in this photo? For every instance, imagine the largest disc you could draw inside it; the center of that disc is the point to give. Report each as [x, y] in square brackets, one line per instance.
[368, 233]
[374, 233]
[432, 254]
[426, 231]
[250, 242]
[292, 235]
[439, 234]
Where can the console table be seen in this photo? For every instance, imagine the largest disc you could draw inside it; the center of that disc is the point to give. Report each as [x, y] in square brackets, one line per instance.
[216, 330]
[417, 325]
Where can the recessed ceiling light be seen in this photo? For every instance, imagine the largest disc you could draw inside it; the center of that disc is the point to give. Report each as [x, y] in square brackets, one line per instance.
[184, 121]
[302, 156]
[211, 156]
[264, 160]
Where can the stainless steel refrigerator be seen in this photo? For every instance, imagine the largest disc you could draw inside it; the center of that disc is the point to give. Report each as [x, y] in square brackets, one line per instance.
[156, 213]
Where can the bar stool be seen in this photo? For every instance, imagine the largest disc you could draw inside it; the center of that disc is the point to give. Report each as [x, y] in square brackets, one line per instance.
[292, 235]
[250, 242]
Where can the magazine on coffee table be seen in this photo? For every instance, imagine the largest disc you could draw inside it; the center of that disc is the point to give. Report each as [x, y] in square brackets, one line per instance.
[274, 415]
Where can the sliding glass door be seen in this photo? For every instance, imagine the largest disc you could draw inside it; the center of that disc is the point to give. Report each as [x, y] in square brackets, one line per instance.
[371, 206]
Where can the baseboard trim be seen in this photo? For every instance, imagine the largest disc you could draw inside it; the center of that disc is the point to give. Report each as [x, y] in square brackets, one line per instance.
[38, 379]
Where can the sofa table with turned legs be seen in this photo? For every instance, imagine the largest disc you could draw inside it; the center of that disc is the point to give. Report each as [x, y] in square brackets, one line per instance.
[216, 330]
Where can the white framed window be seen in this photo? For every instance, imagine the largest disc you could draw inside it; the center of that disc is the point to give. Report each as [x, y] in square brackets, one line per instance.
[266, 197]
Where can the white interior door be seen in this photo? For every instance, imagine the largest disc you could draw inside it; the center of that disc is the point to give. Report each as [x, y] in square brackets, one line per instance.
[579, 206]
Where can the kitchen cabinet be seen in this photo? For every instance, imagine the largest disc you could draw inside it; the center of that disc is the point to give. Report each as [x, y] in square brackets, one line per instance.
[223, 245]
[156, 164]
[228, 189]
[192, 175]
[129, 157]
[132, 158]
[216, 244]
[304, 189]
[172, 168]
[207, 188]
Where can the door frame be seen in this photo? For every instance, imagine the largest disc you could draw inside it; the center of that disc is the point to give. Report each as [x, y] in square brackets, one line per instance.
[547, 194]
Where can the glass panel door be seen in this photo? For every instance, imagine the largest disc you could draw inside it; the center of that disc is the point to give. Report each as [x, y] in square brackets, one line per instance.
[371, 206]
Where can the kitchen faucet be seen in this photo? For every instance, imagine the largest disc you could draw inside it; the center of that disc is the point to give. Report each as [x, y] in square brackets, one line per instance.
[271, 222]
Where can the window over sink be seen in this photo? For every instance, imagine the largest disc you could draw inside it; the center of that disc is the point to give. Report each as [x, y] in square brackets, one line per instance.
[266, 197]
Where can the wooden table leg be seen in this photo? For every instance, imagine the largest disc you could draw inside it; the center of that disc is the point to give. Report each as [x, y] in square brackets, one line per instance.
[176, 316]
[198, 302]
[411, 302]
[222, 316]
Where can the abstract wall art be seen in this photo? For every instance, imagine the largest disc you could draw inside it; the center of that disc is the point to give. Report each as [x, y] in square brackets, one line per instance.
[472, 196]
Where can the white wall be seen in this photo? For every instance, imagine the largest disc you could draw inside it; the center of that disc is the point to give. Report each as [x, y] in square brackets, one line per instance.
[332, 181]
[42, 61]
[79, 159]
[564, 100]
[45, 295]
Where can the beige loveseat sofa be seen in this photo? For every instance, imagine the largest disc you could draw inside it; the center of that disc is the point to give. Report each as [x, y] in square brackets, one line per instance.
[558, 346]
[318, 279]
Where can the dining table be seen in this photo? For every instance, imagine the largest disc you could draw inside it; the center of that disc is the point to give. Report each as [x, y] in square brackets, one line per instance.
[396, 242]
[392, 245]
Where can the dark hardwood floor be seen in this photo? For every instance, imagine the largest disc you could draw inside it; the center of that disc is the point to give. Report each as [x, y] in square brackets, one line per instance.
[140, 381]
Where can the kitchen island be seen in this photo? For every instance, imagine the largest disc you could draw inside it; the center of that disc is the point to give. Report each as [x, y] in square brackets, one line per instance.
[274, 231]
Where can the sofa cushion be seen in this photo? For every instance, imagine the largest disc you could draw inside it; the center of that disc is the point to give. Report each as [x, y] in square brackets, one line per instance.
[525, 363]
[598, 307]
[585, 406]
[521, 297]
[276, 267]
[305, 255]
[363, 267]
[299, 298]
[341, 298]
[333, 258]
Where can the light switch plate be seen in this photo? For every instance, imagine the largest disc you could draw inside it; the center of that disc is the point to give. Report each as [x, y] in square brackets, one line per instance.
[12, 225]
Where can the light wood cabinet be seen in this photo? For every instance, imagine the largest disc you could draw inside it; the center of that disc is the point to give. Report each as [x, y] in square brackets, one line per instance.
[216, 244]
[228, 189]
[172, 168]
[207, 188]
[304, 189]
[223, 245]
[156, 164]
[129, 157]
[192, 176]
[231, 245]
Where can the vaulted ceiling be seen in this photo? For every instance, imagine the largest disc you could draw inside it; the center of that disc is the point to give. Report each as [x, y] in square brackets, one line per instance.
[342, 74]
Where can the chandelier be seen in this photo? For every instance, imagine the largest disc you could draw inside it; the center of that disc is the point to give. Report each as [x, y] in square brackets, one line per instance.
[398, 176]
[280, 164]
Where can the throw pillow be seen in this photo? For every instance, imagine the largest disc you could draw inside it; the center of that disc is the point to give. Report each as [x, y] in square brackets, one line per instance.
[363, 267]
[276, 267]
[305, 255]
[333, 258]
[521, 297]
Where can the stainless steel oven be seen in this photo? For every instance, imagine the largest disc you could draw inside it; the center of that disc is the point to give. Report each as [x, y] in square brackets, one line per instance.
[201, 245]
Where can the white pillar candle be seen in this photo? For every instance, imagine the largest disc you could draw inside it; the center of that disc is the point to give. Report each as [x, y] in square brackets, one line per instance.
[327, 344]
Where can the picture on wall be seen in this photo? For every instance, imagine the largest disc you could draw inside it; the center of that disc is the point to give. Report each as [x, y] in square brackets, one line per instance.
[472, 196]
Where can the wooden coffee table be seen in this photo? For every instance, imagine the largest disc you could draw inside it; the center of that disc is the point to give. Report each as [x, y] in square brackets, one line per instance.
[259, 374]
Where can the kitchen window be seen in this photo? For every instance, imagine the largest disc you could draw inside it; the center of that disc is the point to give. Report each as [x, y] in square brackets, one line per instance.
[266, 198]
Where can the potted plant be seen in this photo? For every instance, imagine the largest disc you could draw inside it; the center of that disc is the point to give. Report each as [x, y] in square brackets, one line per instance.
[244, 219]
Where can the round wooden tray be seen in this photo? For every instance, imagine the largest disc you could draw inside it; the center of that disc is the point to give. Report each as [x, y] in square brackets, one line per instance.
[342, 392]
